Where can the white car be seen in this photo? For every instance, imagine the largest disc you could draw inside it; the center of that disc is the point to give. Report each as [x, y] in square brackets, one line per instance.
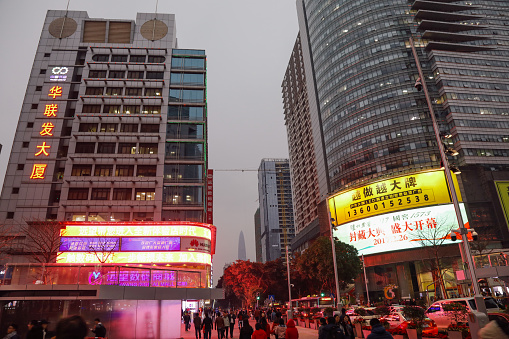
[394, 319]
[436, 311]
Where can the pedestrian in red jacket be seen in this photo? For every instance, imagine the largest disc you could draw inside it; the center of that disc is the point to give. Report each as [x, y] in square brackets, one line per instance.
[291, 330]
[259, 333]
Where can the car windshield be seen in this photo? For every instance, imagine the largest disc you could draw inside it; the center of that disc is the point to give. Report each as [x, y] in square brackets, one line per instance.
[489, 302]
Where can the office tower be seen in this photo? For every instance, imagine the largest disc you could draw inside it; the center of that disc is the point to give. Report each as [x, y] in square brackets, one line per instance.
[276, 209]
[241, 255]
[113, 127]
[258, 235]
[371, 127]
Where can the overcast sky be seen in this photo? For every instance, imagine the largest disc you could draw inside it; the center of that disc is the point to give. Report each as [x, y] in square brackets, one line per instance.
[248, 45]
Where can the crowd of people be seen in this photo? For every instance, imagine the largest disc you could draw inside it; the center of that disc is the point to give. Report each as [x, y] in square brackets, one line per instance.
[73, 327]
[225, 323]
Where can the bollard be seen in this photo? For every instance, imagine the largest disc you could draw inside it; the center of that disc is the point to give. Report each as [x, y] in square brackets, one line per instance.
[476, 321]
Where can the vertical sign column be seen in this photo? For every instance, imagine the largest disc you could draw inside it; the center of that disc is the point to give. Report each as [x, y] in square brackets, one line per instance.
[50, 111]
[210, 199]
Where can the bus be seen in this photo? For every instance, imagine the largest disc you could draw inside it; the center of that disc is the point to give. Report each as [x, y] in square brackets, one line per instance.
[311, 302]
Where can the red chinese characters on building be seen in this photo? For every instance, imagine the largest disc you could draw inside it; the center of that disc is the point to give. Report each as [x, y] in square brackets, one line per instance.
[50, 111]
[210, 196]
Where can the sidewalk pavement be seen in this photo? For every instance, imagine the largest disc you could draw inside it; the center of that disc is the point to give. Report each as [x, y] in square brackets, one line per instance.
[304, 333]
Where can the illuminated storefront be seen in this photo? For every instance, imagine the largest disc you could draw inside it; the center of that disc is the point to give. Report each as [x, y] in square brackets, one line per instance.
[176, 245]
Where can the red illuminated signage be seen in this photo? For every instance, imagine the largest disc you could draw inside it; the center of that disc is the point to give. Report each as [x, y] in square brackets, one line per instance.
[38, 171]
[47, 127]
[210, 196]
[51, 110]
[55, 91]
[42, 149]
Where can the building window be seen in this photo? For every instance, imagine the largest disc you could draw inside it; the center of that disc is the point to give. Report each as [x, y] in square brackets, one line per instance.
[15, 190]
[10, 215]
[148, 149]
[47, 55]
[101, 57]
[120, 216]
[127, 148]
[124, 170]
[184, 150]
[81, 170]
[150, 128]
[153, 92]
[30, 124]
[131, 109]
[20, 167]
[122, 194]
[38, 88]
[25, 144]
[143, 216]
[100, 194]
[187, 79]
[184, 131]
[103, 170]
[43, 71]
[129, 128]
[77, 194]
[146, 171]
[115, 109]
[97, 74]
[187, 95]
[119, 58]
[91, 109]
[156, 59]
[186, 113]
[108, 128]
[133, 91]
[183, 195]
[137, 58]
[34, 106]
[187, 63]
[94, 91]
[106, 148]
[88, 128]
[85, 147]
[145, 194]
[151, 109]
[113, 90]
[155, 75]
[135, 75]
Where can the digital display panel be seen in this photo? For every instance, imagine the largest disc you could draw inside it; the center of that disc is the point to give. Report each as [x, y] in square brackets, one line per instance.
[503, 194]
[400, 193]
[151, 244]
[136, 231]
[89, 244]
[412, 228]
[137, 258]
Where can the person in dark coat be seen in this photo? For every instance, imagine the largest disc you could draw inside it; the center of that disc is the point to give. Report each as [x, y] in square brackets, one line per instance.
[197, 325]
[12, 332]
[187, 321]
[34, 330]
[72, 327]
[378, 331]
[99, 329]
[219, 326]
[246, 331]
[46, 334]
[207, 327]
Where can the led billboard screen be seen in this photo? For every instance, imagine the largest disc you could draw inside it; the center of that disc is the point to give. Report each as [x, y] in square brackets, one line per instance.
[151, 244]
[412, 228]
[89, 244]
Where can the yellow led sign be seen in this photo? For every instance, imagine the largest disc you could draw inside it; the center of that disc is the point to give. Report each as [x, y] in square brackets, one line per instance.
[136, 231]
[137, 258]
[410, 191]
[503, 193]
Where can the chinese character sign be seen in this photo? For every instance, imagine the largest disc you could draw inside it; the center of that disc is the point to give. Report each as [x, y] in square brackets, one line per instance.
[400, 230]
[210, 196]
[410, 191]
[138, 258]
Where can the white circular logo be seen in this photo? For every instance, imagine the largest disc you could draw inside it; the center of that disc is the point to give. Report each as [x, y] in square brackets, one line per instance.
[60, 70]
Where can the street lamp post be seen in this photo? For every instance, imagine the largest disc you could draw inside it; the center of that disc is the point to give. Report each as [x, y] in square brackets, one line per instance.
[450, 183]
[289, 312]
[334, 262]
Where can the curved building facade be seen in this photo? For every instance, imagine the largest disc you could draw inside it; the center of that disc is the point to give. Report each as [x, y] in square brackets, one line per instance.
[374, 122]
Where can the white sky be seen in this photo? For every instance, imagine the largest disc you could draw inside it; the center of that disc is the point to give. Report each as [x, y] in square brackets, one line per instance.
[248, 45]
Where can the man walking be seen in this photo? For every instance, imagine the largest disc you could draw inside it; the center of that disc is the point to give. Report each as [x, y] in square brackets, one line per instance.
[207, 327]
[197, 325]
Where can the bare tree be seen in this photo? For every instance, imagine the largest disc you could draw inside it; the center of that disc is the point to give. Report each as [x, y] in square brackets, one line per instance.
[104, 248]
[42, 240]
[8, 241]
[432, 237]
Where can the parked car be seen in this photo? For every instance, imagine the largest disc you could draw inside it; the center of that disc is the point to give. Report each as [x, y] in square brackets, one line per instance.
[370, 314]
[394, 319]
[430, 329]
[436, 312]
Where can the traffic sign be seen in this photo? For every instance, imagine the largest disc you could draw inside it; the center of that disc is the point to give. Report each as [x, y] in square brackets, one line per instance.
[271, 297]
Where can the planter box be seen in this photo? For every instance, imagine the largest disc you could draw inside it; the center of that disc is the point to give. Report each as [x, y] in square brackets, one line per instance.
[366, 333]
[358, 330]
[398, 336]
[412, 333]
[454, 335]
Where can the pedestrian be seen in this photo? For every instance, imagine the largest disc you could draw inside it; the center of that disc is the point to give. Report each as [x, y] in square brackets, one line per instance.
[378, 331]
[226, 321]
[246, 331]
[265, 326]
[219, 325]
[259, 333]
[12, 332]
[495, 329]
[240, 317]
[46, 334]
[34, 330]
[291, 331]
[99, 329]
[348, 327]
[231, 318]
[197, 325]
[187, 321]
[332, 330]
[73, 327]
[321, 333]
[280, 329]
[257, 315]
[207, 327]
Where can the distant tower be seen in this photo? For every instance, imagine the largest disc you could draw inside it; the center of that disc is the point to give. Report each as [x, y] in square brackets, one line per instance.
[242, 247]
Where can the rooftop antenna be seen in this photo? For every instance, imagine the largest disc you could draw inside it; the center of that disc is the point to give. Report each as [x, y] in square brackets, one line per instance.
[65, 17]
[155, 18]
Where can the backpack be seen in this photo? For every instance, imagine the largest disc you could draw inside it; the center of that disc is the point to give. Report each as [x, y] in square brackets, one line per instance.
[334, 333]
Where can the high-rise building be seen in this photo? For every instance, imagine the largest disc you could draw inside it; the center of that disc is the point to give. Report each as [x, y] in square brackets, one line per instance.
[371, 127]
[258, 235]
[113, 127]
[241, 255]
[276, 208]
